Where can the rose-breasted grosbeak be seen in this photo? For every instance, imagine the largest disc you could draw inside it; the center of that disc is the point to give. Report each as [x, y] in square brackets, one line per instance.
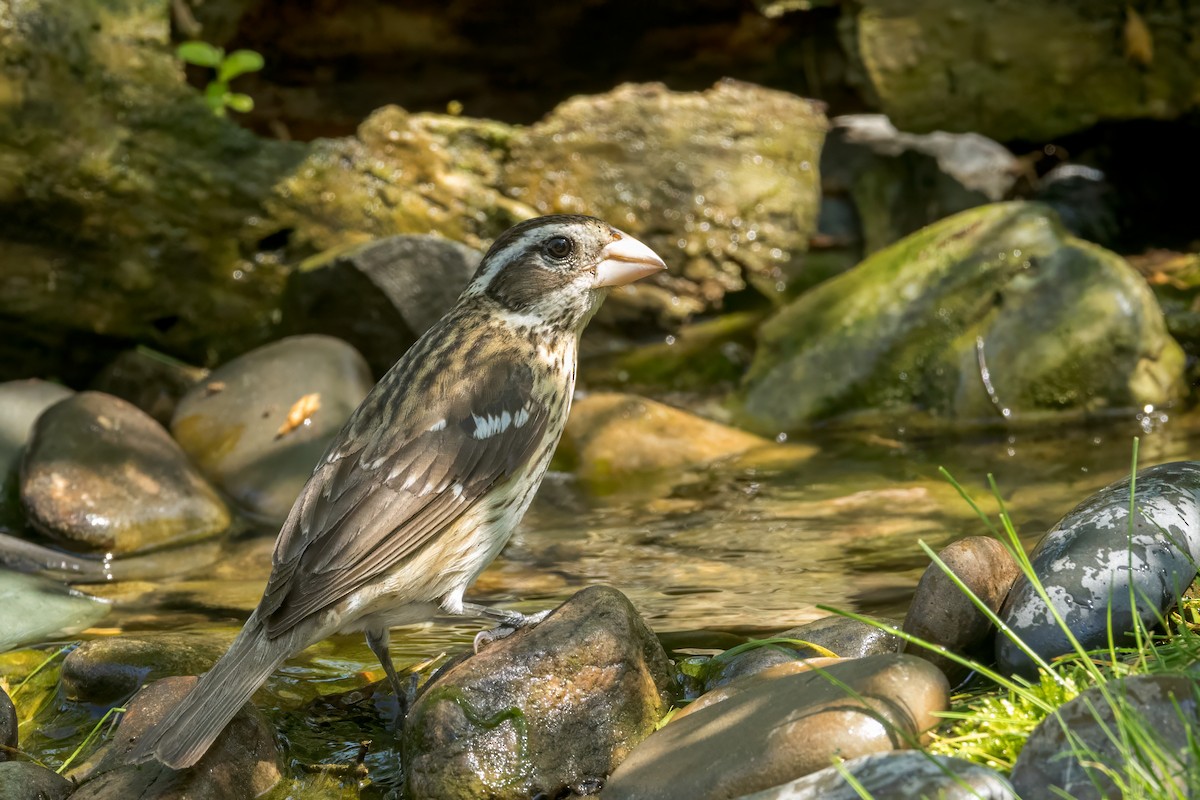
[423, 486]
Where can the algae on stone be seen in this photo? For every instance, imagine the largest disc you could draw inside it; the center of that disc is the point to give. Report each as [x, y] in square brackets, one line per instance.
[992, 315]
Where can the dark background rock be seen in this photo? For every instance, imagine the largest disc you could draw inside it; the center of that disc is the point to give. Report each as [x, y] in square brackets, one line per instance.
[380, 296]
[151, 381]
[22, 780]
[8, 727]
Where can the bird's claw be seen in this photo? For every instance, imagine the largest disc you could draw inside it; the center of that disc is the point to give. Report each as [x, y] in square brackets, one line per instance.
[512, 622]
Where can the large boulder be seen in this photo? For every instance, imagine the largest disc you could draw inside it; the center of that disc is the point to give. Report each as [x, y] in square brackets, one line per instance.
[993, 315]
[1023, 69]
[553, 707]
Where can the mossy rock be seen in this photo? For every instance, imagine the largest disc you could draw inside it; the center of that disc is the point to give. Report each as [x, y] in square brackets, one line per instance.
[995, 315]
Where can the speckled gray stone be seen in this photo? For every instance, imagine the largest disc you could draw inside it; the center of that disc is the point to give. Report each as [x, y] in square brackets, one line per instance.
[1084, 563]
[900, 775]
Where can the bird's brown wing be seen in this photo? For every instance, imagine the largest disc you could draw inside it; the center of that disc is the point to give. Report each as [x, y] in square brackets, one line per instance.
[373, 503]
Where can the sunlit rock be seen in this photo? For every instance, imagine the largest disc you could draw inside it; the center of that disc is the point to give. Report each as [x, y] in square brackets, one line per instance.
[993, 316]
[552, 707]
[782, 729]
[243, 762]
[1102, 569]
[99, 475]
[260, 423]
[943, 615]
[612, 437]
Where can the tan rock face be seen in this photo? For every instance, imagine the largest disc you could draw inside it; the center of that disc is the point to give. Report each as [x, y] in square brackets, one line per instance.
[610, 436]
[782, 729]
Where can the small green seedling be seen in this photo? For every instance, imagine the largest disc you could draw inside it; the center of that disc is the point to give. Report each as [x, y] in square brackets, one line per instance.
[217, 94]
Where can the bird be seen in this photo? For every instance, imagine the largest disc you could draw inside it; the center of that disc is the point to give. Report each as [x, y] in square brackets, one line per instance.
[423, 486]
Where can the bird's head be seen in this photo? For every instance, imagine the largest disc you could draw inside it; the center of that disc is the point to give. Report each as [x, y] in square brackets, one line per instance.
[556, 270]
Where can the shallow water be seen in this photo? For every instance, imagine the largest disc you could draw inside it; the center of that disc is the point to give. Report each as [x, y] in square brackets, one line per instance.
[709, 557]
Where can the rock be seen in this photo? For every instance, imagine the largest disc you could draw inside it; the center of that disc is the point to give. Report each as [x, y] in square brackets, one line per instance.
[551, 707]
[242, 763]
[22, 780]
[1084, 200]
[975, 66]
[900, 182]
[100, 475]
[612, 437]
[942, 615]
[381, 296]
[247, 428]
[21, 403]
[994, 315]
[723, 183]
[896, 776]
[846, 638]
[37, 609]
[1086, 562]
[783, 729]
[1162, 708]
[758, 671]
[8, 727]
[151, 381]
[108, 671]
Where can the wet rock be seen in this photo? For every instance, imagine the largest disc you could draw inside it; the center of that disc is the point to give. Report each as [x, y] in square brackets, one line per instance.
[259, 424]
[36, 609]
[900, 182]
[942, 615]
[979, 69]
[1096, 557]
[8, 727]
[108, 671]
[758, 671]
[151, 381]
[993, 316]
[22, 780]
[100, 475]
[723, 183]
[1084, 200]
[896, 776]
[551, 707]
[783, 729]
[242, 763]
[1164, 710]
[845, 637]
[381, 296]
[21, 403]
[611, 437]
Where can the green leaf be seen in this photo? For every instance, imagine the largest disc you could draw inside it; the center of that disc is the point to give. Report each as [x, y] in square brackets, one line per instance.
[239, 102]
[202, 54]
[239, 62]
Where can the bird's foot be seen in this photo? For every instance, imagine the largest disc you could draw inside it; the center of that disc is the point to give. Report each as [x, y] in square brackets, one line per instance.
[510, 623]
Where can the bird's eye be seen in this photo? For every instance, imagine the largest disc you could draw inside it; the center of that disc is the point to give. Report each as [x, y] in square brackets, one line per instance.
[559, 247]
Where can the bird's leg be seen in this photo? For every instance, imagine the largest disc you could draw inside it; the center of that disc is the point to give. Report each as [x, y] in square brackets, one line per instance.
[377, 640]
[510, 622]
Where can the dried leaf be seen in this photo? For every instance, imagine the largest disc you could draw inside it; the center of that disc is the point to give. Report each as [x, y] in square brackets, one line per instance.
[299, 414]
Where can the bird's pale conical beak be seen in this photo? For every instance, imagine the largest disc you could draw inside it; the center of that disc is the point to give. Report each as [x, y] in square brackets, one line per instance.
[625, 260]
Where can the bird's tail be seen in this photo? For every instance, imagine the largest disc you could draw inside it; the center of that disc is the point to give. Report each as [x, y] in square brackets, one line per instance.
[182, 738]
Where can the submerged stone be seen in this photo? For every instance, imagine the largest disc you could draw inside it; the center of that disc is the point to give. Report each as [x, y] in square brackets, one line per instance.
[100, 475]
[1097, 562]
[108, 671]
[781, 729]
[37, 609]
[993, 316]
[552, 707]
[896, 776]
[1083, 746]
[260, 423]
